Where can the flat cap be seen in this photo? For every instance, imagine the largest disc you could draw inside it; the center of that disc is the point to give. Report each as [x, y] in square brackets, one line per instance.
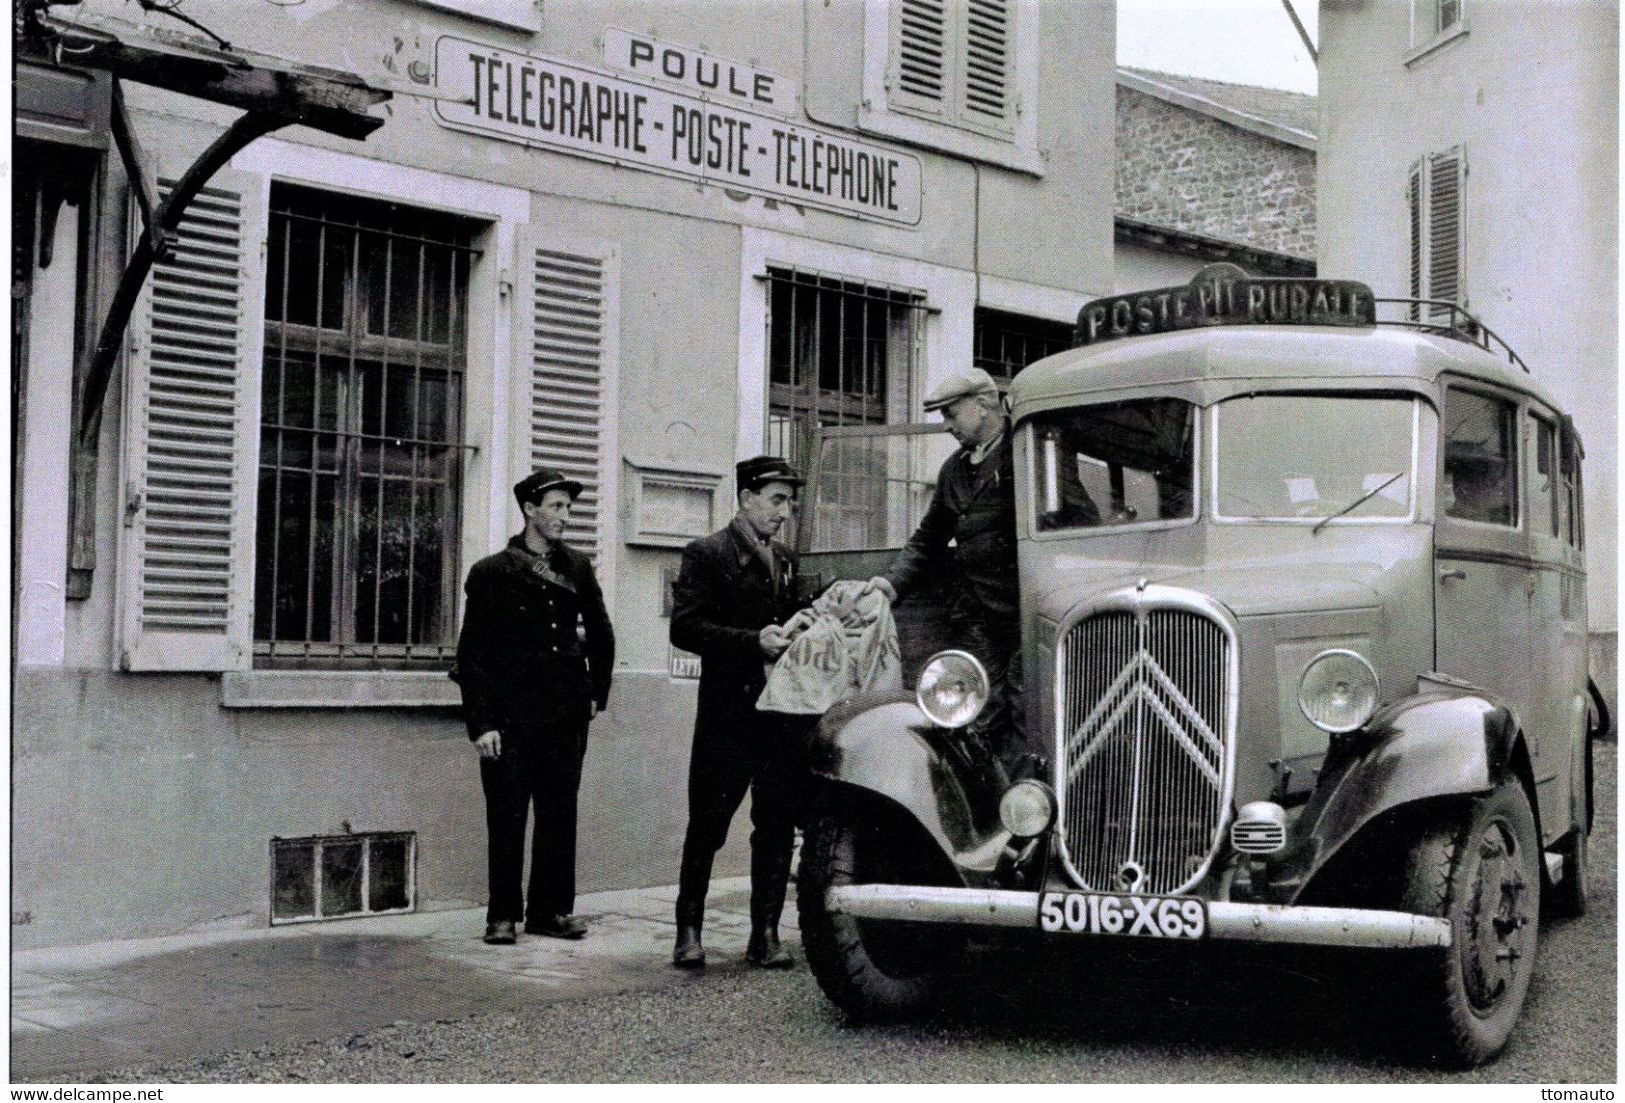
[539, 482]
[961, 384]
[754, 472]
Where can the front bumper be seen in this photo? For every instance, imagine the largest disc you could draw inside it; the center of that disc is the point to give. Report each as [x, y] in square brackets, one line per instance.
[1284, 923]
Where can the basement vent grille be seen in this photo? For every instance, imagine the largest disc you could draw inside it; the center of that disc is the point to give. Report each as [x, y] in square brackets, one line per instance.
[331, 876]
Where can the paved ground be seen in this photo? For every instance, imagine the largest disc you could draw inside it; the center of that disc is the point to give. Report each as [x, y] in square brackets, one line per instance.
[420, 999]
[82, 1009]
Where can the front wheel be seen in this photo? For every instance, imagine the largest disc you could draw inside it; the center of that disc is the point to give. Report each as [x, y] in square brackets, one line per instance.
[871, 969]
[1482, 874]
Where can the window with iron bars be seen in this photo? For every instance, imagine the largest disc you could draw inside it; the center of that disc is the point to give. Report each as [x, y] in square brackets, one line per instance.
[361, 443]
[1004, 343]
[841, 352]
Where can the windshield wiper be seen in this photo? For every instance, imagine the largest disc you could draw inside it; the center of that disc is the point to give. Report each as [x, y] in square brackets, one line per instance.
[1358, 502]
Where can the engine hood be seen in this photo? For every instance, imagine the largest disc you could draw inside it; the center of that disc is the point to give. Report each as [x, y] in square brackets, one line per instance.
[1246, 591]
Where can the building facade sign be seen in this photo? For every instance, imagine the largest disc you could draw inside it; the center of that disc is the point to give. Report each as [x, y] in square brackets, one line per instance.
[709, 76]
[542, 102]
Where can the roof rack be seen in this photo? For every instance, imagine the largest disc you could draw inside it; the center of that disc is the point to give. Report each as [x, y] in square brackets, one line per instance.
[1223, 293]
[1456, 323]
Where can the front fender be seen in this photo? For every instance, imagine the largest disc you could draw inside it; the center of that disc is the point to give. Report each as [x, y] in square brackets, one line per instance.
[886, 747]
[1440, 742]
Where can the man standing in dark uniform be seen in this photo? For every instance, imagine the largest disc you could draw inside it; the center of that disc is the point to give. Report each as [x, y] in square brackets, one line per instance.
[733, 590]
[530, 685]
[973, 508]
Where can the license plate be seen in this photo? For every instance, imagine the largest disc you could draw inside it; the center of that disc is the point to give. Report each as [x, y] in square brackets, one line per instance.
[1137, 916]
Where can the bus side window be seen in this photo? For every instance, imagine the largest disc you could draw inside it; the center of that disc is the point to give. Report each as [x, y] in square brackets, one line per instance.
[1480, 459]
[1544, 495]
[1569, 498]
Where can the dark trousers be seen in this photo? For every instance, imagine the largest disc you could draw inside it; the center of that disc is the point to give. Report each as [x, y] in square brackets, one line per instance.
[538, 766]
[766, 754]
[1002, 725]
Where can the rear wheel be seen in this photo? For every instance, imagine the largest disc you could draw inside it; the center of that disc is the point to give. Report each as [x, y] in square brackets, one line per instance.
[1481, 873]
[871, 969]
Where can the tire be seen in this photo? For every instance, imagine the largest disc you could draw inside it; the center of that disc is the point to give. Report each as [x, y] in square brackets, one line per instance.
[871, 969]
[1482, 873]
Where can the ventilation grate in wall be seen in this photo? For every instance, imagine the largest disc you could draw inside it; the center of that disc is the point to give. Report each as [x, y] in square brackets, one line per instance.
[331, 876]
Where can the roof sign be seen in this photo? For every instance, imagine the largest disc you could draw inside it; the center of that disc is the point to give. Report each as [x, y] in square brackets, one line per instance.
[1223, 294]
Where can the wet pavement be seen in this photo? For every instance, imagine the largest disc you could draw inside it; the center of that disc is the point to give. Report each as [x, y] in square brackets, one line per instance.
[80, 1009]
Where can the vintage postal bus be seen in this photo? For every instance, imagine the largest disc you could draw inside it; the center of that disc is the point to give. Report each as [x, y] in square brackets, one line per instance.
[1304, 632]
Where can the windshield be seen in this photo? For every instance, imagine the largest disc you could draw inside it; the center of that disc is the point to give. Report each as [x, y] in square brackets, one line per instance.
[1291, 457]
[1117, 463]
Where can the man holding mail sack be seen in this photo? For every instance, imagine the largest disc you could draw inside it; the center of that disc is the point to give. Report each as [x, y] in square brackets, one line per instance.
[735, 590]
[969, 530]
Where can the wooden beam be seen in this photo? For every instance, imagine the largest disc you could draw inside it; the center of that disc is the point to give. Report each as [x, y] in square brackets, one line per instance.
[273, 93]
[323, 99]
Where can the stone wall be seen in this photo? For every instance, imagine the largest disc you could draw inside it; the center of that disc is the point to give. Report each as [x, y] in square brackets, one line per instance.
[1188, 171]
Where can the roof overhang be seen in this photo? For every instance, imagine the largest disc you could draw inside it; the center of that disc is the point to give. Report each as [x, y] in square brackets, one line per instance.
[1203, 247]
[1190, 100]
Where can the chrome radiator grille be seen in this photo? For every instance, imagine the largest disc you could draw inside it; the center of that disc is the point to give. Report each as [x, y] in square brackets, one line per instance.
[1144, 763]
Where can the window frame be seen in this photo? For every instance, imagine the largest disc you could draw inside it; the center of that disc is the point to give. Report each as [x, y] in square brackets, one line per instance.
[949, 296]
[1538, 420]
[492, 398]
[1413, 511]
[902, 307]
[1029, 452]
[1517, 530]
[847, 407]
[350, 440]
[891, 116]
[1572, 509]
[1426, 33]
[982, 320]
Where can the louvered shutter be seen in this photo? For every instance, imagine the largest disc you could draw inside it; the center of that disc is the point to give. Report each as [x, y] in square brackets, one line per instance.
[191, 430]
[1444, 228]
[953, 60]
[923, 52]
[988, 43]
[571, 386]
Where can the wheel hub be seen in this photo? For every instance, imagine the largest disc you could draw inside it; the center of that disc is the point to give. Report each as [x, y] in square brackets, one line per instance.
[1497, 916]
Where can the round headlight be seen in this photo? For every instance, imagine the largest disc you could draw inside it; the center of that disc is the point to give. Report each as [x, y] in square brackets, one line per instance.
[1027, 809]
[953, 688]
[1337, 691]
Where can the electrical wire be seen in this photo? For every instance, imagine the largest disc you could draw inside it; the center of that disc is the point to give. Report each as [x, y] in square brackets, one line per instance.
[172, 9]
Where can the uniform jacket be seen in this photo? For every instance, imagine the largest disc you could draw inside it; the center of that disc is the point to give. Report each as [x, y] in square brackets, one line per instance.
[520, 658]
[723, 597]
[974, 509]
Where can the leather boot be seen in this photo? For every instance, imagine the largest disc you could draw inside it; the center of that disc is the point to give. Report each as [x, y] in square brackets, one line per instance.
[763, 950]
[770, 875]
[689, 953]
